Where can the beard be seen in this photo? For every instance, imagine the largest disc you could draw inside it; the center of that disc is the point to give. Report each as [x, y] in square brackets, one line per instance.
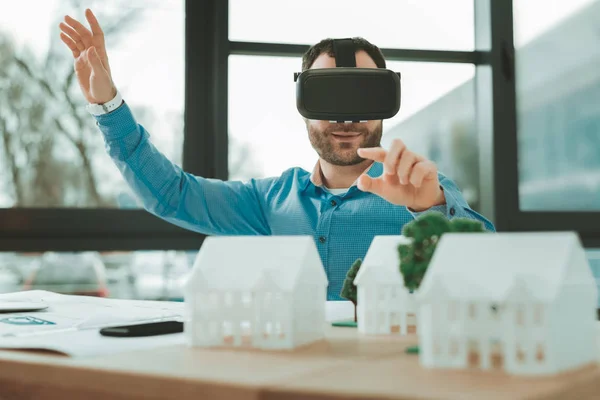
[339, 152]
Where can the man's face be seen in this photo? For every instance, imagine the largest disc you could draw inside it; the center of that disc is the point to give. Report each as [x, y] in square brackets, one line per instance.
[337, 143]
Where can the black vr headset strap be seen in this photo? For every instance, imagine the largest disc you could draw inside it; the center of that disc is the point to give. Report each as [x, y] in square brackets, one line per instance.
[345, 53]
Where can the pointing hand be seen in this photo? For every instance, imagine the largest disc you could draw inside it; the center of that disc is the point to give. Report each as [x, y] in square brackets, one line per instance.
[408, 178]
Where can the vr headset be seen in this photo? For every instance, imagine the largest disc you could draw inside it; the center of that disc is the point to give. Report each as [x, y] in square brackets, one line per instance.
[347, 93]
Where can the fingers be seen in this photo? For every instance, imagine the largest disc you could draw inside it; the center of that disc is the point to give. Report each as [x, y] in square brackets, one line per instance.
[96, 29]
[70, 44]
[407, 160]
[84, 33]
[389, 158]
[368, 184]
[408, 166]
[393, 156]
[421, 171]
[67, 30]
[372, 153]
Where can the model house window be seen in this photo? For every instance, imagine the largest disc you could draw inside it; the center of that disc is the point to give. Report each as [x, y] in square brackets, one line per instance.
[278, 330]
[227, 328]
[520, 315]
[228, 299]
[538, 314]
[278, 298]
[268, 329]
[452, 311]
[539, 353]
[246, 330]
[497, 358]
[214, 299]
[437, 348]
[472, 313]
[267, 299]
[520, 354]
[453, 351]
[212, 328]
[473, 353]
[246, 299]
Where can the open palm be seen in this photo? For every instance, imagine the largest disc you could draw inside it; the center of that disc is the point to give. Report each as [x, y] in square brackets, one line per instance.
[91, 60]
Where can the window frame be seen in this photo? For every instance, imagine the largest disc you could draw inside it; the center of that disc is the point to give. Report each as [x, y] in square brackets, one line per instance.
[205, 148]
[498, 138]
[81, 229]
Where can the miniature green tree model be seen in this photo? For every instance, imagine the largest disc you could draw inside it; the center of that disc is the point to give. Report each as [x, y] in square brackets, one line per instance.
[349, 289]
[425, 232]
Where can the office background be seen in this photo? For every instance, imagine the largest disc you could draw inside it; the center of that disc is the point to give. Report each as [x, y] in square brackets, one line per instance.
[504, 96]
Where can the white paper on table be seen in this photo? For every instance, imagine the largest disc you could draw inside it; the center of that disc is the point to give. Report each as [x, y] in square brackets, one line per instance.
[74, 317]
[77, 320]
[85, 343]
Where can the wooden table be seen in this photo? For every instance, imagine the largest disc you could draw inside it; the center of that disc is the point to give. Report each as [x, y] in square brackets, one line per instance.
[345, 366]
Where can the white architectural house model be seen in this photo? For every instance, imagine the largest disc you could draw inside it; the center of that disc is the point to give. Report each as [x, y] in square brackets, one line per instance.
[385, 306]
[524, 303]
[265, 292]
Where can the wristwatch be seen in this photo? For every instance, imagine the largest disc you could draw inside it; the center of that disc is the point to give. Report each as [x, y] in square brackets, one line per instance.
[100, 109]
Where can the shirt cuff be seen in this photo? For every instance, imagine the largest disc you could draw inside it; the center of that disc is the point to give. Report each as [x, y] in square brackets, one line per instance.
[117, 124]
[451, 209]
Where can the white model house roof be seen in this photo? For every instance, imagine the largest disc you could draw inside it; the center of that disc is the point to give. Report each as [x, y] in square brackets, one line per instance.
[488, 266]
[382, 262]
[243, 262]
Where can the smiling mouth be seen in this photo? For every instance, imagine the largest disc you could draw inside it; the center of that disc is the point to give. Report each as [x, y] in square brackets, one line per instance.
[346, 134]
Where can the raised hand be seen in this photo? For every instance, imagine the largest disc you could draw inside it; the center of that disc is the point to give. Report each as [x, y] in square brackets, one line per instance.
[408, 178]
[91, 60]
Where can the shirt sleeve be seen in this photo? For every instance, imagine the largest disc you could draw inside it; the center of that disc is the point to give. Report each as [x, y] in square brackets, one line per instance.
[456, 206]
[207, 206]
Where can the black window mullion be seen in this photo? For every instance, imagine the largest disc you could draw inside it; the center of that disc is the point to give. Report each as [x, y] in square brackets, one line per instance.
[205, 151]
[496, 112]
[391, 54]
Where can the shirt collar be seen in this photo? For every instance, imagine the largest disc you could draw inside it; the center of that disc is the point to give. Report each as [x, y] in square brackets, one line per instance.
[316, 177]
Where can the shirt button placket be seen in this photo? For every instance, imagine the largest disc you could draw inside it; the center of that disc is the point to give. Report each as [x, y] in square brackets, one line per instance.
[323, 227]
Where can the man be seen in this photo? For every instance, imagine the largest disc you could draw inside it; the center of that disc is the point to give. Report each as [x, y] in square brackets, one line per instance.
[357, 189]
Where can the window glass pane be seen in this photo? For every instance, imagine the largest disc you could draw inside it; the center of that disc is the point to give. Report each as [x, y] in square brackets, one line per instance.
[415, 24]
[558, 100]
[268, 135]
[437, 120]
[52, 153]
[143, 275]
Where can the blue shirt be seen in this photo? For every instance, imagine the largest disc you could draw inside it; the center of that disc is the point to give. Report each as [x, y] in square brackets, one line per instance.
[343, 226]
